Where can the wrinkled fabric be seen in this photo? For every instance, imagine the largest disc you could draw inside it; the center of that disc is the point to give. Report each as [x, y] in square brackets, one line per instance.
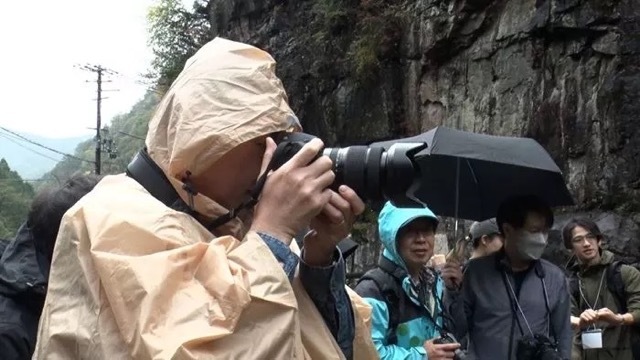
[134, 279]
[22, 293]
[283, 254]
[416, 313]
[325, 286]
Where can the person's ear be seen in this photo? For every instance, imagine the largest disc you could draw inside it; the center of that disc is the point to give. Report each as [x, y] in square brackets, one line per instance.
[485, 240]
[507, 229]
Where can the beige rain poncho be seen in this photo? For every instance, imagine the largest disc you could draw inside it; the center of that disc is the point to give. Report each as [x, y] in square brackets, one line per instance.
[132, 278]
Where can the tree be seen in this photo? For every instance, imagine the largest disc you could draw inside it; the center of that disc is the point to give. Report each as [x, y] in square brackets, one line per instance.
[127, 131]
[175, 34]
[15, 199]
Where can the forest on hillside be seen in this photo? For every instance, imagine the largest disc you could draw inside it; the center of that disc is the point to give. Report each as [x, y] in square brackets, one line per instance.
[15, 198]
[175, 33]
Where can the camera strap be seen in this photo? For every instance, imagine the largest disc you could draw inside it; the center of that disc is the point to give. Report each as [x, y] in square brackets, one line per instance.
[421, 292]
[145, 171]
[250, 202]
[516, 304]
[276, 162]
[148, 174]
[514, 298]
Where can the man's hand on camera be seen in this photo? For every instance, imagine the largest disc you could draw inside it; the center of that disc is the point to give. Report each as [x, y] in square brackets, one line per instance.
[331, 226]
[440, 351]
[295, 193]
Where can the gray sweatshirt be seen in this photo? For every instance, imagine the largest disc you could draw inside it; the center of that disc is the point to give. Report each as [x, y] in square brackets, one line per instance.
[485, 311]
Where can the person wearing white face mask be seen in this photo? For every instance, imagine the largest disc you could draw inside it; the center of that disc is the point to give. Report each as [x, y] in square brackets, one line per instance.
[513, 298]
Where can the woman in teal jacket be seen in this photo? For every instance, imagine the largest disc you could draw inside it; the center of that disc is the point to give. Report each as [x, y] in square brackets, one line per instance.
[405, 295]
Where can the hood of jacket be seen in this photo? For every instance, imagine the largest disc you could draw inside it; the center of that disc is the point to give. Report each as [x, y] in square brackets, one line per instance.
[20, 269]
[227, 94]
[390, 221]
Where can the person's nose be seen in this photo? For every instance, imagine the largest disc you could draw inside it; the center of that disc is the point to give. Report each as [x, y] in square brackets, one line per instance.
[422, 237]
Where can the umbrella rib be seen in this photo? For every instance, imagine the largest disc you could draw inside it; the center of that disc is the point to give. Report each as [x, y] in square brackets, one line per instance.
[475, 180]
[457, 196]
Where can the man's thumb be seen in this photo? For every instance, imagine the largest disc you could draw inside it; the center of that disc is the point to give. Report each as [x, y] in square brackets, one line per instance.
[268, 154]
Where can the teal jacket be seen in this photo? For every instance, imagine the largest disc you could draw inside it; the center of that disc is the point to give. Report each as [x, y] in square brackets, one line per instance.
[415, 323]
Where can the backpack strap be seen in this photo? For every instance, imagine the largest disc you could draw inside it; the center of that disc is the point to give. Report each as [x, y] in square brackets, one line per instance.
[390, 291]
[615, 284]
[574, 287]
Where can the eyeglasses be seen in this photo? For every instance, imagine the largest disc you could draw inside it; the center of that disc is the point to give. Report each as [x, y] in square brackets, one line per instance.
[589, 237]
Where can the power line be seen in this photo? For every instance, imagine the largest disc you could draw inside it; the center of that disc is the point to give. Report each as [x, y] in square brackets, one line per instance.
[121, 132]
[23, 180]
[43, 146]
[133, 136]
[28, 148]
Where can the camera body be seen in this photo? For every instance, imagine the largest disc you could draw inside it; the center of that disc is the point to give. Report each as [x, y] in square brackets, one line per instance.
[448, 338]
[536, 347]
[376, 174]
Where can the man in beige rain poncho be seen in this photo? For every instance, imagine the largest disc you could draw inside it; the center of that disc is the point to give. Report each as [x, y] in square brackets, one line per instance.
[134, 278]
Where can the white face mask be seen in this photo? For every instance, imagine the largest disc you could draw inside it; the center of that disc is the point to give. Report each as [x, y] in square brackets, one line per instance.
[530, 246]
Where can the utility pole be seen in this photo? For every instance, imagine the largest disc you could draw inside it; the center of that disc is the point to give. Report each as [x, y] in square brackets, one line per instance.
[98, 121]
[100, 71]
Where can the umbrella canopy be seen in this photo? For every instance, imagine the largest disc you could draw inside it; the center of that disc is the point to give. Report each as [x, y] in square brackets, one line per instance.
[467, 175]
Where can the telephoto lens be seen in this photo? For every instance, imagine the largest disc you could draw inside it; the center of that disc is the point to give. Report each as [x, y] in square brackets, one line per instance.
[376, 174]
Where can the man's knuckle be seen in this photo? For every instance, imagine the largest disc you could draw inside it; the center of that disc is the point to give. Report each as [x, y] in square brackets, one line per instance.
[316, 202]
[298, 179]
[306, 191]
[325, 162]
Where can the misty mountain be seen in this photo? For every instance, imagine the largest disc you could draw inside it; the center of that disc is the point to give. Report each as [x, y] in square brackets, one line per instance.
[32, 161]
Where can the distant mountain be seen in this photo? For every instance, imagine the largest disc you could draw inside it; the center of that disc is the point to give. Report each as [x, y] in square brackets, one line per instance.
[127, 132]
[32, 161]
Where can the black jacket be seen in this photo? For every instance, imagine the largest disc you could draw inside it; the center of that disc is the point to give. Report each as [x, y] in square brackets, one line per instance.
[22, 293]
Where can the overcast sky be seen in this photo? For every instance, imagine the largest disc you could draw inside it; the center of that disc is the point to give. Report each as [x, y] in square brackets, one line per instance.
[41, 91]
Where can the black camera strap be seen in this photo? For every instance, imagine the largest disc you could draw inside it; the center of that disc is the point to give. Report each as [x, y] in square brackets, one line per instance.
[250, 202]
[148, 174]
[513, 300]
[254, 195]
[145, 171]
[516, 308]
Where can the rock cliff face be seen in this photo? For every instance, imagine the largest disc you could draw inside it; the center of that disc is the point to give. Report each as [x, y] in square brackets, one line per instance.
[565, 72]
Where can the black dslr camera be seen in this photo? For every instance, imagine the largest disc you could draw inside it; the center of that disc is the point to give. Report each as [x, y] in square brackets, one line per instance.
[376, 174]
[448, 338]
[537, 347]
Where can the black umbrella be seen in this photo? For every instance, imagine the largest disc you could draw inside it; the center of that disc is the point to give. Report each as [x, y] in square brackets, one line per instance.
[467, 175]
